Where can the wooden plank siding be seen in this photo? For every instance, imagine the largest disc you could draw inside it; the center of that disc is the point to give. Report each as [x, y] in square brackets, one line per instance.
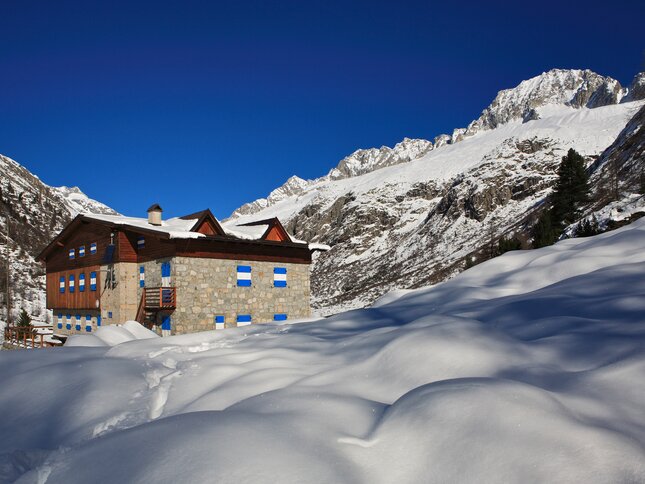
[85, 235]
[126, 243]
[77, 300]
[221, 249]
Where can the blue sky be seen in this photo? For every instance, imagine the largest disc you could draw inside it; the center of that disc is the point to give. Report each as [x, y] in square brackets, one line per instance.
[213, 104]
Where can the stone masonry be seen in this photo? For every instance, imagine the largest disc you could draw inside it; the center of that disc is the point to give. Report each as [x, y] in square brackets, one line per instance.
[119, 301]
[208, 287]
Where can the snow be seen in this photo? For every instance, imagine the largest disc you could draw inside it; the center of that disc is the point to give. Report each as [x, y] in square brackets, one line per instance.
[176, 228]
[112, 335]
[526, 368]
[248, 232]
[588, 131]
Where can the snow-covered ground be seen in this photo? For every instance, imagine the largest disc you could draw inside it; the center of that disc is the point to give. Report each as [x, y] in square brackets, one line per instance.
[527, 368]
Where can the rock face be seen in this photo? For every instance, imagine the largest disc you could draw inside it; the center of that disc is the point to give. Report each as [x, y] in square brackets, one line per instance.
[574, 88]
[365, 161]
[35, 212]
[636, 90]
[416, 223]
[621, 168]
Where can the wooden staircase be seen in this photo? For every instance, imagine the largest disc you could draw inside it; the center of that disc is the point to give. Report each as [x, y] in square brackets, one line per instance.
[153, 301]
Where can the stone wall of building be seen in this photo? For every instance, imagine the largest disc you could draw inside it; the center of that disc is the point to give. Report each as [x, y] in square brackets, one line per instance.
[118, 304]
[208, 287]
[74, 321]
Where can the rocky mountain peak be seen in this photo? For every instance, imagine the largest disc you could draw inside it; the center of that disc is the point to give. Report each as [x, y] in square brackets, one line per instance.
[367, 160]
[571, 87]
[636, 90]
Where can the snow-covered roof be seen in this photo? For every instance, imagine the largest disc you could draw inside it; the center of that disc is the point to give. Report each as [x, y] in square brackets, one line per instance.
[248, 232]
[175, 228]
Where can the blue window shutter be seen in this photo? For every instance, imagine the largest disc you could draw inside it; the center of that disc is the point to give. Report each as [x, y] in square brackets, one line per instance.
[244, 276]
[109, 314]
[92, 281]
[279, 277]
[93, 248]
[81, 251]
[243, 318]
[78, 322]
[71, 283]
[165, 269]
[219, 319]
[165, 322]
[68, 323]
[142, 276]
[88, 322]
[98, 320]
[60, 320]
[279, 317]
[62, 284]
[71, 253]
[81, 282]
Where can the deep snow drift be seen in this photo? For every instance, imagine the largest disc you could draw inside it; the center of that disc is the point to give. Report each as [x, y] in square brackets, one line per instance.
[527, 368]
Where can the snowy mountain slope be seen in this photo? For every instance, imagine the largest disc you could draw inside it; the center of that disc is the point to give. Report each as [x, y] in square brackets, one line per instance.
[526, 368]
[36, 212]
[414, 223]
[574, 87]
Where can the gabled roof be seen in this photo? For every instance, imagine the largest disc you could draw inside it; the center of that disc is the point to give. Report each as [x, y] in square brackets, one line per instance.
[269, 224]
[185, 227]
[201, 217]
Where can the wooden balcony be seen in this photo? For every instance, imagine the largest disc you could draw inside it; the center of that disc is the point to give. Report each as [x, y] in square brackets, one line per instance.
[158, 298]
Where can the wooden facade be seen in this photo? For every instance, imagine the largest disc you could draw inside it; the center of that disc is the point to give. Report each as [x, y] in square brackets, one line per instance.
[87, 298]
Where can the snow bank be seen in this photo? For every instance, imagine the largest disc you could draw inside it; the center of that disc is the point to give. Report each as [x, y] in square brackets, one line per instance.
[112, 335]
[527, 368]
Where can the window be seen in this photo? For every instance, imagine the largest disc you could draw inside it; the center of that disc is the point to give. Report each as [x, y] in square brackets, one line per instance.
[243, 319]
[244, 276]
[279, 277]
[81, 282]
[71, 253]
[109, 314]
[62, 284]
[88, 323]
[219, 321]
[68, 322]
[93, 248]
[98, 320]
[142, 276]
[71, 283]
[60, 320]
[81, 251]
[165, 274]
[141, 242]
[78, 322]
[92, 281]
[279, 317]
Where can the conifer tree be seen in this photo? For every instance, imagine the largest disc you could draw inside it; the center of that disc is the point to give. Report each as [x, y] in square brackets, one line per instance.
[571, 191]
[24, 321]
[543, 232]
[570, 194]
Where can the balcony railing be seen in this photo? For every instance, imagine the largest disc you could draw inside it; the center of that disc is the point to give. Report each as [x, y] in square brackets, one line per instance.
[159, 297]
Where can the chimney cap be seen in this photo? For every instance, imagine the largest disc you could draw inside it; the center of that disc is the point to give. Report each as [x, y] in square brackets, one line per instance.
[155, 208]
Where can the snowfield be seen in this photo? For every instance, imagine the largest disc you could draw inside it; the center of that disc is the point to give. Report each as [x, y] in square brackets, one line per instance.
[526, 368]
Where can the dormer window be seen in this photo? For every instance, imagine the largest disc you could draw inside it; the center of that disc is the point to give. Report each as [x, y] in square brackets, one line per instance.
[141, 242]
[81, 251]
[72, 254]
